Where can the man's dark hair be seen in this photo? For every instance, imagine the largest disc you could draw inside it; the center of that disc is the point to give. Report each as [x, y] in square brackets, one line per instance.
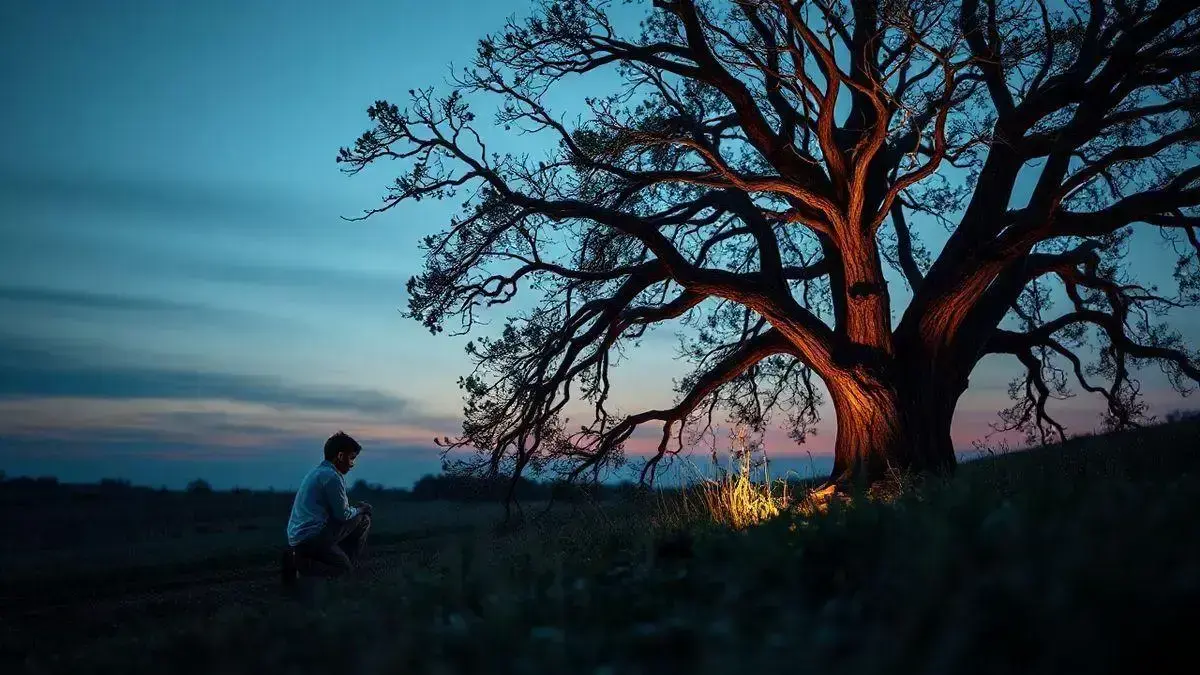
[341, 442]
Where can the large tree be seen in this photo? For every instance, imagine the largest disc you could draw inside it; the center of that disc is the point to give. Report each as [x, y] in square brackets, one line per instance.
[759, 166]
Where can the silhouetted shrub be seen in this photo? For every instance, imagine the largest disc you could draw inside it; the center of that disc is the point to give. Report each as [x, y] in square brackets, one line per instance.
[199, 486]
[1183, 415]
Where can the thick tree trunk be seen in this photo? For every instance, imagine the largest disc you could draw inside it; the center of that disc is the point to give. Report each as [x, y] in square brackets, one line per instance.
[885, 426]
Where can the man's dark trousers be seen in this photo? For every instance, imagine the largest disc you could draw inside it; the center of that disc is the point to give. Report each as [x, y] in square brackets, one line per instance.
[335, 550]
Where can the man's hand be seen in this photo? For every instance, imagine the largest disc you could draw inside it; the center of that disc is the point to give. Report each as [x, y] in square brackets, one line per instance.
[364, 507]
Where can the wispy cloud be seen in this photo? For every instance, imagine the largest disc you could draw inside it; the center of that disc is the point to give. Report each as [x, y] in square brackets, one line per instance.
[130, 383]
[178, 233]
[38, 372]
[321, 285]
[126, 195]
[224, 426]
[40, 302]
[56, 393]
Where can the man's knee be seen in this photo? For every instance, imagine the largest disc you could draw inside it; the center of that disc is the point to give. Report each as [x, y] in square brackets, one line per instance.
[321, 561]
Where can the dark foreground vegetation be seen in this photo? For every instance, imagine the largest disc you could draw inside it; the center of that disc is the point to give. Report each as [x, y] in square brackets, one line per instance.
[1080, 558]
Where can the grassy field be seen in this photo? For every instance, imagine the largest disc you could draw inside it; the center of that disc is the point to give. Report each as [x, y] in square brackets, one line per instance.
[1079, 558]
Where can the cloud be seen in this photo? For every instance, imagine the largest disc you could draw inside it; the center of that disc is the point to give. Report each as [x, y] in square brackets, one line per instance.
[84, 399]
[378, 289]
[52, 302]
[121, 195]
[40, 372]
[178, 232]
[229, 427]
[98, 382]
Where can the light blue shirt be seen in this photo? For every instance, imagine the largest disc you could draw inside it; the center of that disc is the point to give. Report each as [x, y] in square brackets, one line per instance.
[321, 498]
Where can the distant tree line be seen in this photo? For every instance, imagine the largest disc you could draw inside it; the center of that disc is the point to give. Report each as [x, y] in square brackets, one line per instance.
[441, 487]
[429, 488]
[449, 487]
[1183, 416]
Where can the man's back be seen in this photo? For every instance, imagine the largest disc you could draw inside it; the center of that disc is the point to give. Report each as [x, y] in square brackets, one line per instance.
[321, 497]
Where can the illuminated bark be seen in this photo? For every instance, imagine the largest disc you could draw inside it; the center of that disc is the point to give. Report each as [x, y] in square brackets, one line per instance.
[889, 428]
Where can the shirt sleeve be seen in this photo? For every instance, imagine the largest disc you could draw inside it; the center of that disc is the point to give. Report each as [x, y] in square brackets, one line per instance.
[335, 497]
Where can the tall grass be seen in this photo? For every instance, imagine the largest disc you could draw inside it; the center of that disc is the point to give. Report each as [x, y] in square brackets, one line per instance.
[737, 495]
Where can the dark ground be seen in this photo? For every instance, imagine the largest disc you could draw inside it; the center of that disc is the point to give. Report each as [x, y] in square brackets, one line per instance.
[1079, 558]
[84, 563]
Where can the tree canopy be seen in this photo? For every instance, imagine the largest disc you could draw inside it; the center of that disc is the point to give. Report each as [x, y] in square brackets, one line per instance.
[761, 166]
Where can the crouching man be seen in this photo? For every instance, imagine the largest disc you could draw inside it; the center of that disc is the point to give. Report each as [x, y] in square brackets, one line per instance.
[326, 535]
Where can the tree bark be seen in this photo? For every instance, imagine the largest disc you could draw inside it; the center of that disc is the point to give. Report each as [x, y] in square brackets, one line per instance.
[895, 423]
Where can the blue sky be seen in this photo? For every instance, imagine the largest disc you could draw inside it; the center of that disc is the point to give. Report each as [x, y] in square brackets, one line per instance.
[180, 296]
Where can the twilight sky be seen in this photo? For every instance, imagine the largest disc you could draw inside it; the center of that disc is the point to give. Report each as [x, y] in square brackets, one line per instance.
[180, 298]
